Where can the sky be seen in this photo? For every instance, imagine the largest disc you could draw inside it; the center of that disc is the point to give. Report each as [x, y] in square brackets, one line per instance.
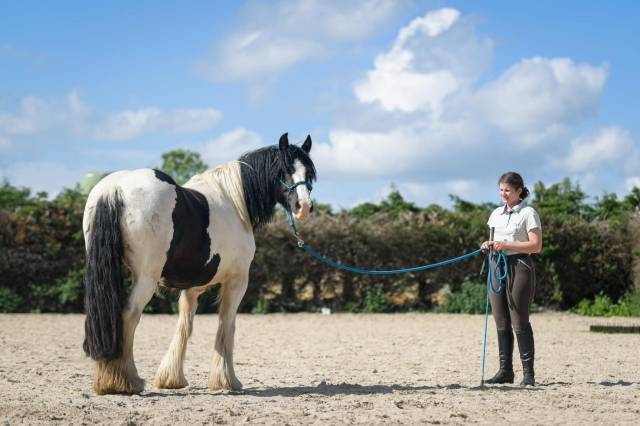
[430, 97]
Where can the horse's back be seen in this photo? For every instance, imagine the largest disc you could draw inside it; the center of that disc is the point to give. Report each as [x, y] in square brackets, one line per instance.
[183, 236]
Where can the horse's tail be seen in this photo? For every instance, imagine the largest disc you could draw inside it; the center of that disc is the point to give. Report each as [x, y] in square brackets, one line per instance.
[103, 280]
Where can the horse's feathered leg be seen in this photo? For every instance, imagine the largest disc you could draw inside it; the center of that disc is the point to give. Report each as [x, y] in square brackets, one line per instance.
[222, 372]
[170, 374]
[120, 375]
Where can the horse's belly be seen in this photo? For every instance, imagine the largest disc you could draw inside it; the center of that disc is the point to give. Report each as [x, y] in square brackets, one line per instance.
[190, 261]
[185, 272]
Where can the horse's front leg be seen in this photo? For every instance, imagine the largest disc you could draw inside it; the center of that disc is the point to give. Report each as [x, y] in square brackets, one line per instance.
[170, 374]
[222, 374]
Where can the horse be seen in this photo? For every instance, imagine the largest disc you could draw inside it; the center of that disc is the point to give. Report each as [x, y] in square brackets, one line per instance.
[189, 237]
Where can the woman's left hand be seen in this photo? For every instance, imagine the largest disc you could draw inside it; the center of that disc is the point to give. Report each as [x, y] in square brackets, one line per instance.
[501, 245]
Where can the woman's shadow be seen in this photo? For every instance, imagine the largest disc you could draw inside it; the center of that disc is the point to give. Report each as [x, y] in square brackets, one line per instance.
[324, 389]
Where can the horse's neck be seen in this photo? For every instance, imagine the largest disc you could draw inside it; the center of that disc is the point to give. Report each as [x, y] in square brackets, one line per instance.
[224, 185]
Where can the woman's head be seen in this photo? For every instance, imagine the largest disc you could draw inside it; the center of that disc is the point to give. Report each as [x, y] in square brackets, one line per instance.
[512, 189]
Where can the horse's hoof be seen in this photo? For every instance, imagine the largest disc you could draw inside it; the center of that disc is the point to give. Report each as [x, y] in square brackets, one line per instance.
[220, 382]
[170, 383]
[119, 387]
[112, 377]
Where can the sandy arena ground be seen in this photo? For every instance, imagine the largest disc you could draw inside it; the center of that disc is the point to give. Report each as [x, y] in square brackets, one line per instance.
[314, 369]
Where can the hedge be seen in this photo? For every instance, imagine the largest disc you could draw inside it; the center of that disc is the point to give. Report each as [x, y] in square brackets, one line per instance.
[42, 255]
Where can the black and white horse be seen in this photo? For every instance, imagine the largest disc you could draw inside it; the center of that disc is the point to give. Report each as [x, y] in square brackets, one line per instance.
[187, 237]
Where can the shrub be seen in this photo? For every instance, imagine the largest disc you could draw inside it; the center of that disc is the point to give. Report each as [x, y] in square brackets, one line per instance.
[261, 307]
[10, 301]
[70, 290]
[602, 306]
[580, 259]
[471, 299]
[375, 301]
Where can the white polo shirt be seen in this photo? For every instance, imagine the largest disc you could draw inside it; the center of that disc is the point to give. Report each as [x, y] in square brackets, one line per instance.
[514, 224]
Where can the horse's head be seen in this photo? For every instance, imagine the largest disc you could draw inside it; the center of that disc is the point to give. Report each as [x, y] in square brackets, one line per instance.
[296, 175]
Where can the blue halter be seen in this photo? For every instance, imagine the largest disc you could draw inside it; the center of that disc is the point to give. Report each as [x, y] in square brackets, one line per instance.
[290, 189]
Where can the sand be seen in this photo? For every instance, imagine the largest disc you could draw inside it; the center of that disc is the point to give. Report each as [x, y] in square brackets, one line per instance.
[337, 369]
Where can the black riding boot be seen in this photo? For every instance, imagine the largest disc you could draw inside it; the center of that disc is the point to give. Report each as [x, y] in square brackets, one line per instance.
[505, 348]
[527, 352]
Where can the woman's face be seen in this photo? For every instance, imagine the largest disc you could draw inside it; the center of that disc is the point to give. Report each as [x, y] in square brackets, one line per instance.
[509, 195]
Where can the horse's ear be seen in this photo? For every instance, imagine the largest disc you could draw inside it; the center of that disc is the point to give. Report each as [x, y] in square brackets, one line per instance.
[284, 142]
[306, 146]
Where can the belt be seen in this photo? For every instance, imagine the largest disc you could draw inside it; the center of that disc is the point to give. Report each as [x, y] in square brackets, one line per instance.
[517, 256]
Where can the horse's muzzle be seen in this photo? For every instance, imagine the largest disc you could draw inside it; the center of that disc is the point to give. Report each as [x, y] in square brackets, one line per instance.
[303, 211]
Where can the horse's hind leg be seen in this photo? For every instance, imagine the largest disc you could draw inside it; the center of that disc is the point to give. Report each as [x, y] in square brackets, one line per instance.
[120, 375]
[222, 374]
[170, 374]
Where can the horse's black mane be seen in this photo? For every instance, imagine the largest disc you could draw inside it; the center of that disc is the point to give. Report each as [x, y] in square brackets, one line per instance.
[262, 171]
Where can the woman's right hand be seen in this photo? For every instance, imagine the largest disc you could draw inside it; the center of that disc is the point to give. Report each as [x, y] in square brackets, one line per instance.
[486, 245]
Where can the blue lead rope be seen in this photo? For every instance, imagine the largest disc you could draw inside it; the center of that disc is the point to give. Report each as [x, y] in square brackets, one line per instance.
[501, 263]
[330, 262]
[499, 271]
[334, 264]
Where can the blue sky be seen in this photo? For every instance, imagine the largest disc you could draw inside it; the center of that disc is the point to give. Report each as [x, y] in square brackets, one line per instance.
[435, 97]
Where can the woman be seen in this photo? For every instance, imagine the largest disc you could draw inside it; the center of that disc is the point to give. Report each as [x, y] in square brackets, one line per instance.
[517, 234]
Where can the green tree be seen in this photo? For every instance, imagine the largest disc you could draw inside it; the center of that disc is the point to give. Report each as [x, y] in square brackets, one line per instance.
[632, 201]
[364, 210]
[181, 164]
[393, 205]
[561, 200]
[607, 207]
[464, 206]
[322, 208]
[11, 196]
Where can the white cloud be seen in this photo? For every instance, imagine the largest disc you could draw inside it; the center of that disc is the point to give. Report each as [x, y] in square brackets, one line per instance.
[37, 116]
[406, 91]
[229, 146]
[433, 24]
[431, 58]
[130, 124]
[368, 153]
[273, 37]
[633, 182]
[589, 152]
[430, 149]
[537, 97]
[33, 115]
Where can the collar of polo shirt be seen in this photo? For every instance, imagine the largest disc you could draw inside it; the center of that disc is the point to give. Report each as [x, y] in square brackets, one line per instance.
[515, 208]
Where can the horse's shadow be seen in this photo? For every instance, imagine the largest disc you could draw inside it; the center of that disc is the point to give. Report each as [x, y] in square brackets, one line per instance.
[355, 389]
[333, 389]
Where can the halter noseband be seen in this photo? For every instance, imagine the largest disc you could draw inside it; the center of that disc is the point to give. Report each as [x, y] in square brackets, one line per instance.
[291, 188]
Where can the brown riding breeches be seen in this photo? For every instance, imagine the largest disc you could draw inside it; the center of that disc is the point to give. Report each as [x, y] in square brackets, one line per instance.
[511, 306]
